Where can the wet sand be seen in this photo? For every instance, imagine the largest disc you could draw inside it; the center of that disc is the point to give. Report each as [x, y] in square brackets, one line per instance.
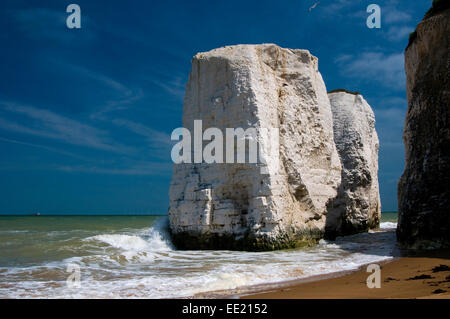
[418, 275]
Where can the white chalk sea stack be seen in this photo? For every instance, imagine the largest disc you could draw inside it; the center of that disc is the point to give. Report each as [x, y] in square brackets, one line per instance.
[357, 207]
[235, 206]
[304, 191]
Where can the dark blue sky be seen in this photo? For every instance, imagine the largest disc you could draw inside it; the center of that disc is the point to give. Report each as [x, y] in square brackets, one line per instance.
[86, 115]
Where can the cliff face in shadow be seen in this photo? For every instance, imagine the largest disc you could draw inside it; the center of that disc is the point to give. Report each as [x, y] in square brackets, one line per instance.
[424, 188]
[357, 207]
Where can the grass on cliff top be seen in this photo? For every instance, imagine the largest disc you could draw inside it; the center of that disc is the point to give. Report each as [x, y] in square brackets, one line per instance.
[343, 90]
[437, 7]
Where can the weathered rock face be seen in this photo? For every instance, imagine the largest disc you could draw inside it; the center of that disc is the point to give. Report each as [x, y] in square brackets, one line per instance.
[357, 207]
[235, 206]
[424, 188]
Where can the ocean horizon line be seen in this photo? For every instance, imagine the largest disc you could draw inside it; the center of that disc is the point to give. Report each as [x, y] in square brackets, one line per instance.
[81, 214]
[109, 214]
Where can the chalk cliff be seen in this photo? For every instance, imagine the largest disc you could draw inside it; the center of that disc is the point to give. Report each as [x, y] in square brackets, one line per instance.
[257, 206]
[357, 207]
[424, 188]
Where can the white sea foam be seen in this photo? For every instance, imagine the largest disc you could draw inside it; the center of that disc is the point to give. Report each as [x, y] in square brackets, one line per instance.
[126, 242]
[388, 225]
[143, 264]
[154, 238]
[145, 245]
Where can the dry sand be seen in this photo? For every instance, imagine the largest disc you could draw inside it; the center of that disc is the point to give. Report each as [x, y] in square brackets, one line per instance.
[405, 277]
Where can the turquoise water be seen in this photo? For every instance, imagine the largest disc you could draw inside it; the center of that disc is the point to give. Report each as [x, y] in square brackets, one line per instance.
[132, 257]
[28, 240]
[389, 217]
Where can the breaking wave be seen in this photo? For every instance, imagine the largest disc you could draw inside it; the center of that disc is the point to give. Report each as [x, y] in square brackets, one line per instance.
[155, 238]
[142, 263]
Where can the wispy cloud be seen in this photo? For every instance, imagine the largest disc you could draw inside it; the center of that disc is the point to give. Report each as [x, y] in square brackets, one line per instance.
[96, 76]
[175, 85]
[122, 103]
[392, 117]
[45, 123]
[343, 58]
[49, 24]
[393, 15]
[144, 168]
[157, 145]
[398, 33]
[385, 69]
[122, 97]
[337, 5]
[152, 135]
[390, 112]
[397, 22]
[43, 147]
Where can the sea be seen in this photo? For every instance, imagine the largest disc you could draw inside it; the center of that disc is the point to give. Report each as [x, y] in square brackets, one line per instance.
[133, 257]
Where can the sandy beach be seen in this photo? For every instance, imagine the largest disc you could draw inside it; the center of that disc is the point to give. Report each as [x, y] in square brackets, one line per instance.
[419, 275]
